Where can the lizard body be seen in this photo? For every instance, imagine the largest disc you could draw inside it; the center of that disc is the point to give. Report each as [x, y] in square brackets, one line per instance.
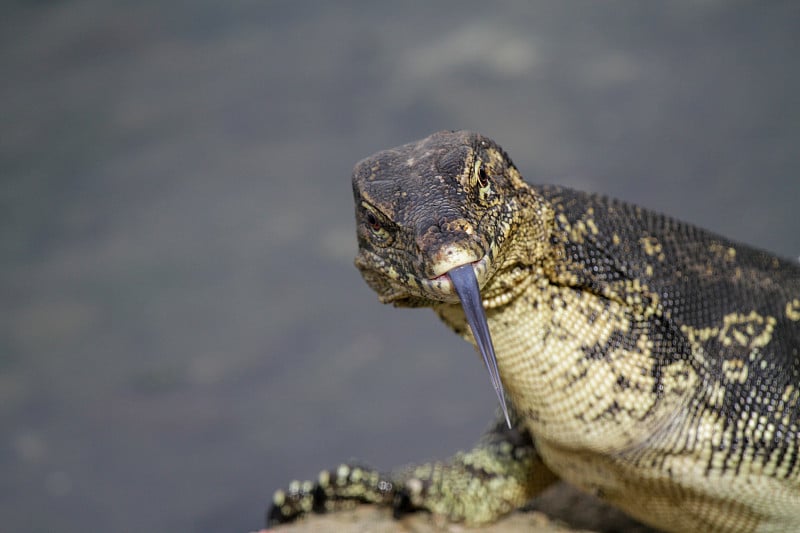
[645, 360]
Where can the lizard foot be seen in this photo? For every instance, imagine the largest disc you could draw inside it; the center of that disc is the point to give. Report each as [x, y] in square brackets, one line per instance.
[337, 489]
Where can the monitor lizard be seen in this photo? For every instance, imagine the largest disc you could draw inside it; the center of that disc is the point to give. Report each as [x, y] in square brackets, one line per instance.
[644, 360]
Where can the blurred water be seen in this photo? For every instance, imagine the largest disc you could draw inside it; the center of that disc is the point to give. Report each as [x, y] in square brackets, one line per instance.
[182, 329]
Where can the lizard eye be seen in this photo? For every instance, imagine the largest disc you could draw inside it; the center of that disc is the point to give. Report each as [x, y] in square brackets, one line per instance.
[376, 227]
[482, 181]
[373, 222]
[483, 178]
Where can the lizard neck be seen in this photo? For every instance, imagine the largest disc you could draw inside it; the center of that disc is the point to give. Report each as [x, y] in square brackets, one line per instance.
[577, 369]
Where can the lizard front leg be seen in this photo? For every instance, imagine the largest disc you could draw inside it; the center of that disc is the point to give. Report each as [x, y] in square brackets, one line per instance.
[499, 475]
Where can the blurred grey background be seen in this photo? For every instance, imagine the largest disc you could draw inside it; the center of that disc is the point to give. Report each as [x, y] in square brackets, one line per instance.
[182, 330]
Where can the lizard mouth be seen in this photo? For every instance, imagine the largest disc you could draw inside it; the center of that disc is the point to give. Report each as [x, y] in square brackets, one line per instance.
[465, 283]
[444, 287]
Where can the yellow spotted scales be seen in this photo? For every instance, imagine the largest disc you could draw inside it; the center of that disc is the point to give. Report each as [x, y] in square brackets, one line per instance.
[644, 360]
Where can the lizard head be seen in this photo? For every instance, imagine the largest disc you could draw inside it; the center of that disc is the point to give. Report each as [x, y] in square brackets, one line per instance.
[438, 219]
[425, 208]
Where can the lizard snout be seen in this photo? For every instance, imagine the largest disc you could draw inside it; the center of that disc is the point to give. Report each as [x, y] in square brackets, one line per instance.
[449, 257]
[446, 245]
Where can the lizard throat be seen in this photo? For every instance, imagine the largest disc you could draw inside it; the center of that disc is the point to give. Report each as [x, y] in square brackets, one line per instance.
[506, 286]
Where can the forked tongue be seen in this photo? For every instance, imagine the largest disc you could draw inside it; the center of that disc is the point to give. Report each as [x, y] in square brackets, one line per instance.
[466, 285]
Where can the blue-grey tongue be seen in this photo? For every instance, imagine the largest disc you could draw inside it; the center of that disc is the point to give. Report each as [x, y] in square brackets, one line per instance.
[466, 285]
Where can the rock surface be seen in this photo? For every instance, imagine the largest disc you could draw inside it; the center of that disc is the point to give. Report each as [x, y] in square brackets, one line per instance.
[365, 519]
[561, 508]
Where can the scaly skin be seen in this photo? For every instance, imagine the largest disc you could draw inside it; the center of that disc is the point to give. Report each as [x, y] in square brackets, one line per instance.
[646, 361]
